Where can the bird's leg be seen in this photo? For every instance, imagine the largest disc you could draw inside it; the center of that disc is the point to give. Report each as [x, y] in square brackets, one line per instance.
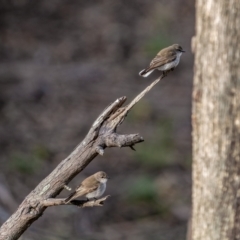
[165, 73]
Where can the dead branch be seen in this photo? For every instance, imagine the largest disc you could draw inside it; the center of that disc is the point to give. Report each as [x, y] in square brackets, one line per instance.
[102, 134]
[79, 203]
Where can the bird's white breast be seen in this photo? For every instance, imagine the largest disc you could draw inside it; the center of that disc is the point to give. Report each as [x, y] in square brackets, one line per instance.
[99, 192]
[103, 180]
[172, 64]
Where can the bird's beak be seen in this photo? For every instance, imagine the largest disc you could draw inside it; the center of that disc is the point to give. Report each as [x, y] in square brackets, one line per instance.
[183, 51]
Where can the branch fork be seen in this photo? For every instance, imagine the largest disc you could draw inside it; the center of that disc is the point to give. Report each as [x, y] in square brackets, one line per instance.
[112, 117]
[101, 135]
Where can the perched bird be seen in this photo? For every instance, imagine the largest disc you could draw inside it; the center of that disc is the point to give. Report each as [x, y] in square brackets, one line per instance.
[93, 187]
[167, 59]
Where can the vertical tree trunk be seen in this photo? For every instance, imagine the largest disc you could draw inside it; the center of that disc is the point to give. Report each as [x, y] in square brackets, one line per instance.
[216, 121]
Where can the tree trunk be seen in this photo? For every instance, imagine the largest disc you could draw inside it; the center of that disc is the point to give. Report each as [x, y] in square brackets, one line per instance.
[216, 121]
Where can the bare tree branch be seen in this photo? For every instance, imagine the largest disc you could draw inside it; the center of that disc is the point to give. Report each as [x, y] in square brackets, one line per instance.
[79, 203]
[102, 134]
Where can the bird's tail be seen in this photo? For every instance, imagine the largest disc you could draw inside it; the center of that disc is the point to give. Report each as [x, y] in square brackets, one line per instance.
[69, 198]
[77, 193]
[145, 72]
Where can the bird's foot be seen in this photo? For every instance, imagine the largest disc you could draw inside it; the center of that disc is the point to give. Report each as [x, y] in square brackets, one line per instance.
[165, 73]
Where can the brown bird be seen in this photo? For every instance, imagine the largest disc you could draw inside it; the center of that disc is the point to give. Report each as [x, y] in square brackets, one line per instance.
[93, 187]
[167, 59]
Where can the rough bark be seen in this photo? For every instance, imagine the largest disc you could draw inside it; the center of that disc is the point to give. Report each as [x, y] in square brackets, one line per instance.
[216, 121]
[101, 135]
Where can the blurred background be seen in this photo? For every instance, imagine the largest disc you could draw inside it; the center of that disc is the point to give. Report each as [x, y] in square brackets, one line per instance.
[61, 63]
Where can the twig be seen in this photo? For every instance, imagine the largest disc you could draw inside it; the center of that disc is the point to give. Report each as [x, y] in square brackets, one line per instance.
[122, 112]
[143, 93]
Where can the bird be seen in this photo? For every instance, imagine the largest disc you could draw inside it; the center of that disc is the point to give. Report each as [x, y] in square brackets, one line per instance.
[166, 60]
[92, 187]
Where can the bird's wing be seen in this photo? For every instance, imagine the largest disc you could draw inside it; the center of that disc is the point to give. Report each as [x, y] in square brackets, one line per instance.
[88, 185]
[90, 182]
[161, 59]
[80, 191]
